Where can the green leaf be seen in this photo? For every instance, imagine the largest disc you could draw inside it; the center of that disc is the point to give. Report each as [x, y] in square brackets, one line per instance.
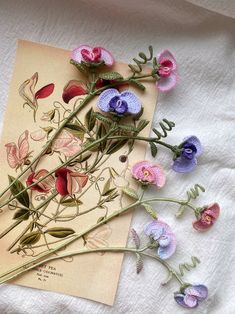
[101, 133]
[16, 188]
[153, 148]
[142, 124]
[127, 127]
[139, 263]
[71, 202]
[76, 130]
[137, 84]
[90, 119]
[30, 238]
[79, 66]
[60, 232]
[150, 210]
[115, 146]
[111, 76]
[103, 118]
[22, 214]
[130, 192]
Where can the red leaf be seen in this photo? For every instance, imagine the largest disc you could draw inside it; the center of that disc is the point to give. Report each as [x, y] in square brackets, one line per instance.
[73, 89]
[45, 91]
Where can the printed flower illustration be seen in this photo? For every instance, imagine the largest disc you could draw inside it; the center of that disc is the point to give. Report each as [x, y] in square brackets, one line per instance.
[149, 173]
[28, 93]
[69, 182]
[48, 116]
[167, 71]
[66, 143]
[162, 233]
[89, 54]
[207, 217]
[40, 134]
[98, 238]
[122, 103]
[18, 155]
[191, 148]
[45, 185]
[191, 296]
[72, 89]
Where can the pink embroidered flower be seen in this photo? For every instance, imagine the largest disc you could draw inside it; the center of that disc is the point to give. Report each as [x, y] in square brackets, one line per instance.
[89, 54]
[191, 296]
[149, 173]
[18, 155]
[66, 143]
[69, 182]
[45, 185]
[167, 71]
[72, 89]
[207, 217]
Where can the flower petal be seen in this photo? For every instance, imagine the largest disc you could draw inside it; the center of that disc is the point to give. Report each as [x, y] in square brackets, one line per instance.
[105, 97]
[199, 291]
[27, 90]
[38, 135]
[179, 298]
[166, 252]
[160, 176]
[45, 91]
[213, 210]
[190, 301]
[107, 57]
[75, 182]
[133, 102]
[76, 53]
[12, 158]
[61, 181]
[156, 228]
[196, 142]
[167, 55]
[184, 165]
[73, 89]
[165, 84]
[23, 145]
[201, 226]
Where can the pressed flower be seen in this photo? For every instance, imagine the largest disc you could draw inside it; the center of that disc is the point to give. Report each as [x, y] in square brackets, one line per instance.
[66, 143]
[45, 185]
[191, 148]
[69, 182]
[167, 71]
[72, 89]
[191, 295]
[89, 54]
[207, 217]
[162, 233]
[149, 173]
[122, 103]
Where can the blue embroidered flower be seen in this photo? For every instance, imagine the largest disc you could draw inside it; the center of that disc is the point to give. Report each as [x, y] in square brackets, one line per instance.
[122, 103]
[191, 295]
[191, 148]
[162, 233]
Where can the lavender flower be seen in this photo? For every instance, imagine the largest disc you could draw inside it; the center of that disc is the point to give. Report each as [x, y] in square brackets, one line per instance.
[191, 148]
[191, 295]
[161, 232]
[122, 103]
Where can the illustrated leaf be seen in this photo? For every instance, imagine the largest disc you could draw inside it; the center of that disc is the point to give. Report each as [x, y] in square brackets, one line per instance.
[153, 148]
[60, 232]
[101, 133]
[107, 190]
[115, 146]
[139, 263]
[71, 202]
[30, 238]
[22, 214]
[135, 238]
[16, 188]
[111, 76]
[142, 124]
[100, 219]
[84, 157]
[76, 130]
[150, 210]
[130, 192]
[90, 119]
[138, 84]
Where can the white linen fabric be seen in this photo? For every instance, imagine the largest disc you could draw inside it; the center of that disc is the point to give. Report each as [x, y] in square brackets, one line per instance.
[201, 35]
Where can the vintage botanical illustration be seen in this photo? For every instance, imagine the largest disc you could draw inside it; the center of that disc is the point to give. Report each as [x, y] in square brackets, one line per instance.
[82, 150]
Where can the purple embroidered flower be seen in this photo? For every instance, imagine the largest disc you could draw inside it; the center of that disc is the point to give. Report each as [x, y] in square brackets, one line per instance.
[122, 103]
[191, 295]
[162, 233]
[167, 71]
[191, 148]
[89, 54]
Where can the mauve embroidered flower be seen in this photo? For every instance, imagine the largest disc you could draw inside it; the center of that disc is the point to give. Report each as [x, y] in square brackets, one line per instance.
[207, 217]
[149, 173]
[162, 233]
[89, 54]
[191, 295]
[111, 100]
[191, 148]
[167, 71]
[45, 185]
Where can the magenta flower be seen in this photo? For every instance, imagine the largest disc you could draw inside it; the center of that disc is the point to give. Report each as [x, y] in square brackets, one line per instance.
[191, 295]
[162, 233]
[149, 173]
[122, 103]
[167, 71]
[89, 54]
[191, 148]
[207, 217]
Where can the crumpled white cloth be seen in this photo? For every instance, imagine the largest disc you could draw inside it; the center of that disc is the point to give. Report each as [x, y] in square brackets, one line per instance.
[201, 36]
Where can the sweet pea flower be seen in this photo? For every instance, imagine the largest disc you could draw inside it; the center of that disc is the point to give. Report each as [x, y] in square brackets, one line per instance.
[69, 182]
[191, 148]
[207, 217]
[72, 89]
[48, 116]
[167, 71]
[89, 54]
[45, 185]
[191, 296]
[122, 103]
[162, 233]
[149, 173]
[66, 143]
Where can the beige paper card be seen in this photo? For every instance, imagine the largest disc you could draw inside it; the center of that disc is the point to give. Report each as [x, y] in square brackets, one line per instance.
[91, 276]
